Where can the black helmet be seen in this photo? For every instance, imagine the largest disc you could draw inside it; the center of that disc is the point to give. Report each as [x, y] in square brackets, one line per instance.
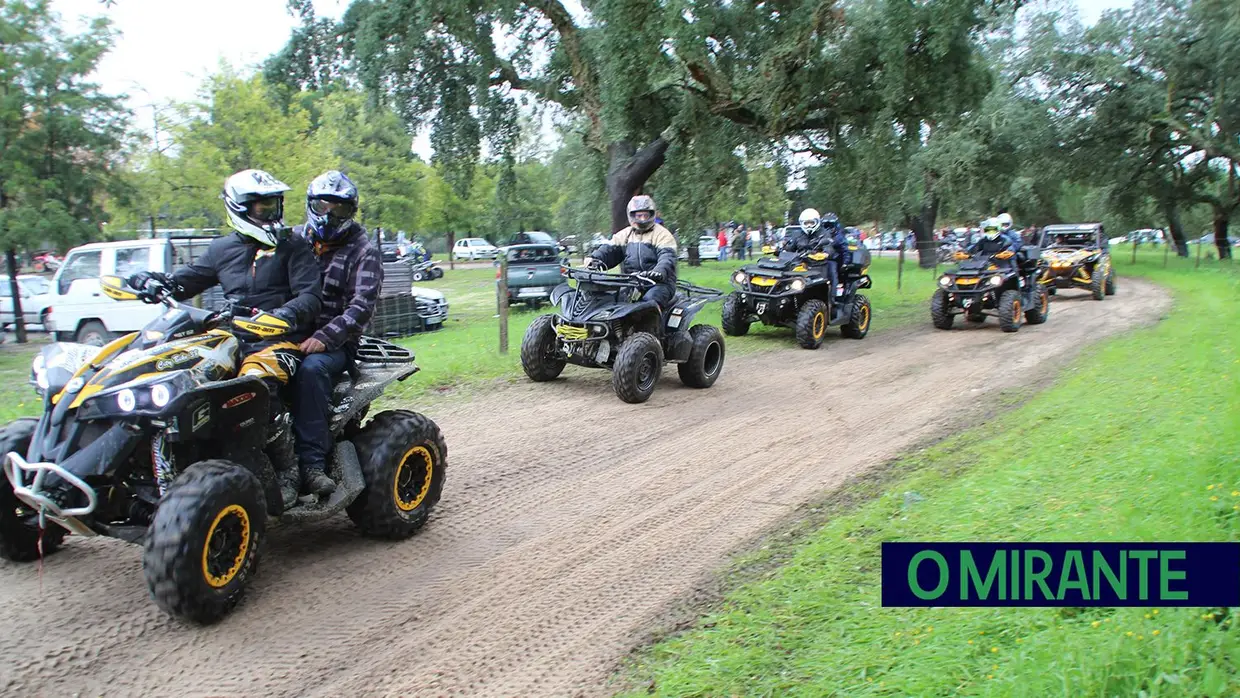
[830, 221]
[331, 202]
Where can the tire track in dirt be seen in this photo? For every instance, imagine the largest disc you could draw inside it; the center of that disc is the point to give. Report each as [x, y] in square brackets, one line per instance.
[570, 522]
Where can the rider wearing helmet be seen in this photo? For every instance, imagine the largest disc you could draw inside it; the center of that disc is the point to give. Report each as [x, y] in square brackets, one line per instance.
[644, 249]
[352, 276]
[807, 238]
[259, 266]
[993, 241]
[821, 233]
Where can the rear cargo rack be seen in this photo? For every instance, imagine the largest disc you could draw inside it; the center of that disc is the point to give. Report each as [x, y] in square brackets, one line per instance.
[371, 350]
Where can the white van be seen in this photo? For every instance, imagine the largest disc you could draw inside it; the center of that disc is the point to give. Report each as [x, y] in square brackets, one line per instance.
[82, 313]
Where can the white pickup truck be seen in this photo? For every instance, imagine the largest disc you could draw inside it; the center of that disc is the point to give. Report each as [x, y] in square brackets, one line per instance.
[82, 313]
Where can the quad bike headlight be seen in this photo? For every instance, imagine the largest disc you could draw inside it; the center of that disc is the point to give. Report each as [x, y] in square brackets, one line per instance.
[126, 400]
[996, 280]
[739, 277]
[945, 281]
[161, 395]
[797, 285]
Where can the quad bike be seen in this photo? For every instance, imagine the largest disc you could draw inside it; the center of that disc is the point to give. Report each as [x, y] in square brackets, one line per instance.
[1077, 256]
[793, 290]
[425, 270]
[155, 439]
[987, 285]
[603, 323]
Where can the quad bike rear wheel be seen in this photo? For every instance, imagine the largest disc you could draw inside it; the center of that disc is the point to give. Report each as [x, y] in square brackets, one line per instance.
[538, 350]
[19, 531]
[735, 322]
[1010, 309]
[419, 275]
[638, 367]
[811, 325]
[436, 273]
[940, 311]
[1109, 286]
[1038, 315]
[203, 546]
[705, 359]
[858, 325]
[404, 458]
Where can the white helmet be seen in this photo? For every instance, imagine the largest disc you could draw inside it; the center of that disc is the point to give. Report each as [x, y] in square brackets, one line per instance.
[990, 228]
[1005, 220]
[255, 204]
[810, 220]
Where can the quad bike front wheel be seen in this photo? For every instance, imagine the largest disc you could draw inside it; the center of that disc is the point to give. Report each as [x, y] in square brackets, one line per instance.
[858, 325]
[1042, 310]
[1108, 288]
[705, 358]
[419, 275]
[203, 546]
[735, 320]
[1098, 282]
[940, 310]
[638, 367]
[539, 350]
[19, 528]
[1010, 309]
[811, 325]
[404, 459]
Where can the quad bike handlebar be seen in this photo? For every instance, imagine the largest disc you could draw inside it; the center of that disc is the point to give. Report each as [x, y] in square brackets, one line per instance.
[621, 280]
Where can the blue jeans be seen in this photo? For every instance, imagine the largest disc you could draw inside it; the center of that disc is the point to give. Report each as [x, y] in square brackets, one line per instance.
[311, 408]
[723, 253]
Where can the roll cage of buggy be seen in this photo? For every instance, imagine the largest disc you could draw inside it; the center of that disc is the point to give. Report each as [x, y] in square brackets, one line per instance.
[1077, 255]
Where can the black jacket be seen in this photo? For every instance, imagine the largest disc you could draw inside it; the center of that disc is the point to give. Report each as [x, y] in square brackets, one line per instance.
[985, 245]
[634, 251]
[286, 279]
[822, 240]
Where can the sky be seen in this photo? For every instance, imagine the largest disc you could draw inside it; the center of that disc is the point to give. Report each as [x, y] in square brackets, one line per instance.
[164, 54]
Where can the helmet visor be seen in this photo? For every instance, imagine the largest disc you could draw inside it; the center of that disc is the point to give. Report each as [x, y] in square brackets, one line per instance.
[340, 210]
[266, 210]
[642, 216]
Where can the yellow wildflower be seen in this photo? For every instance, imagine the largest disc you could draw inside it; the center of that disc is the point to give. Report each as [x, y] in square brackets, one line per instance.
[1155, 632]
[994, 649]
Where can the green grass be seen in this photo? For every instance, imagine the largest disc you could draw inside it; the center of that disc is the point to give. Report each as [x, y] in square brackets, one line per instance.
[1138, 440]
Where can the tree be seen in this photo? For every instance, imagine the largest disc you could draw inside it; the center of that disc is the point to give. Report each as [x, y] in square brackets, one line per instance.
[644, 77]
[58, 133]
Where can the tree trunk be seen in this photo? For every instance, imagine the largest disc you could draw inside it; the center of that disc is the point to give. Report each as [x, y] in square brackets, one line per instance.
[1222, 219]
[627, 172]
[1175, 228]
[19, 326]
[923, 227]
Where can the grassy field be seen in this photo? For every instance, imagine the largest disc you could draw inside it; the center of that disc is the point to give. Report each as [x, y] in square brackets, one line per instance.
[465, 353]
[1139, 440]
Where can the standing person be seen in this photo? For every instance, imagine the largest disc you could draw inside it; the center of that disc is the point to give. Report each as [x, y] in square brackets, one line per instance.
[352, 276]
[723, 244]
[754, 240]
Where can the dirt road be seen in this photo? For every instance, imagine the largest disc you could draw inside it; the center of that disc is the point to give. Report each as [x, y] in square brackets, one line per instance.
[570, 522]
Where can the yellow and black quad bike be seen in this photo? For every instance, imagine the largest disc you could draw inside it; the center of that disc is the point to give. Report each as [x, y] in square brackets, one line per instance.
[1077, 255]
[793, 290]
[986, 284]
[604, 323]
[155, 439]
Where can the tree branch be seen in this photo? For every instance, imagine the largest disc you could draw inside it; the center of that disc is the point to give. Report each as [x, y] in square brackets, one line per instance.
[584, 76]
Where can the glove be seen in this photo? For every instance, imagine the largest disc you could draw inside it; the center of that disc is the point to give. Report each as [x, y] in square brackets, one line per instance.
[284, 314]
[595, 265]
[139, 280]
[961, 255]
[1004, 254]
[655, 276]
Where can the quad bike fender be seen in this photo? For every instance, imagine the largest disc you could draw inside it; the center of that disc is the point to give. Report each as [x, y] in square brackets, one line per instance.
[560, 292]
[99, 457]
[235, 410]
[680, 317]
[678, 346]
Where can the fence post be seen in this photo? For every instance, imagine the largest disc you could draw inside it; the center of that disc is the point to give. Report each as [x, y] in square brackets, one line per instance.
[1134, 250]
[502, 291]
[451, 249]
[1199, 246]
[1166, 252]
[900, 268]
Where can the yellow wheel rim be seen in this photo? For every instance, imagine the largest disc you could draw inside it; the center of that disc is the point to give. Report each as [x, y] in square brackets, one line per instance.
[865, 318]
[820, 324]
[407, 492]
[242, 528]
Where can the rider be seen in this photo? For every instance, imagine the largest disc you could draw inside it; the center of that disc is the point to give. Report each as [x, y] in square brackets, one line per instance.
[822, 233]
[807, 238]
[352, 276]
[644, 249]
[261, 267]
[993, 241]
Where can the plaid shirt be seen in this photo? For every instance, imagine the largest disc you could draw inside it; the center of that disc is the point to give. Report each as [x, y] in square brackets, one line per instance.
[352, 276]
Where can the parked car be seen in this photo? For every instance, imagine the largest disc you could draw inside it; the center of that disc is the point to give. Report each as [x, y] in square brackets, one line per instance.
[570, 244]
[533, 237]
[80, 310]
[390, 251]
[35, 297]
[533, 272]
[708, 248]
[432, 307]
[474, 248]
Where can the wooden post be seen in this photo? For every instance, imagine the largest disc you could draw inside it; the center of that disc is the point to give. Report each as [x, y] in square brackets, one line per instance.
[451, 249]
[900, 267]
[1166, 251]
[502, 290]
[1200, 245]
[1134, 250]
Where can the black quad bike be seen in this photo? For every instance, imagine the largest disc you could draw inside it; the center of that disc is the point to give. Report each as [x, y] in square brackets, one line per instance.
[603, 323]
[1077, 255]
[155, 439]
[984, 285]
[794, 291]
